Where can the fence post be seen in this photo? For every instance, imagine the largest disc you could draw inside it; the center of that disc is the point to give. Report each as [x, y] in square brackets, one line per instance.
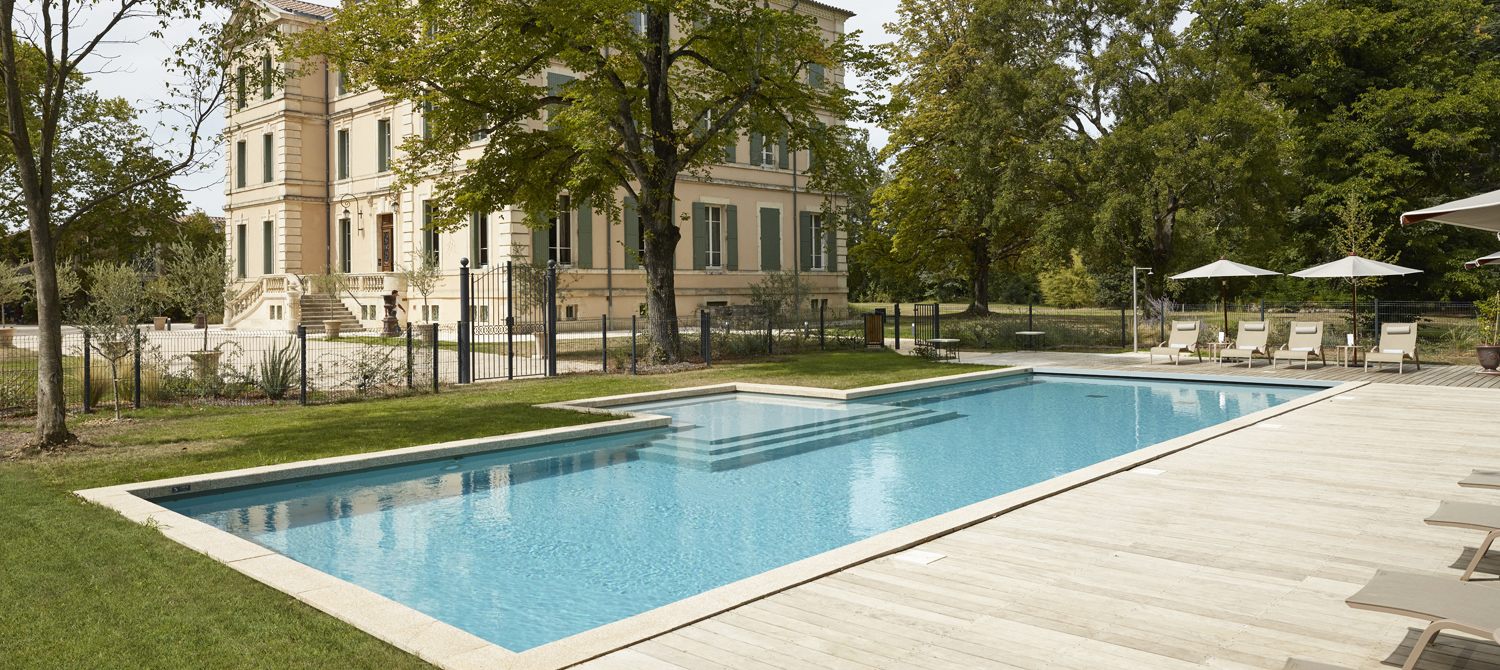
[551, 318]
[410, 361]
[704, 333]
[936, 308]
[822, 329]
[1030, 315]
[898, 326]
[510, 326]
[87, 384]
[1122, 325]
[1376, 314]
[1262, 309]
[138, 367]
[436, 368]
[604, 340]
[632, 343]
[463, 321]
[302, 359]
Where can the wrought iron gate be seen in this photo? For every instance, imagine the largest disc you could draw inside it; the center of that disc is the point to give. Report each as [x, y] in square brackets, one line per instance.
[924, 322]
[508, 322]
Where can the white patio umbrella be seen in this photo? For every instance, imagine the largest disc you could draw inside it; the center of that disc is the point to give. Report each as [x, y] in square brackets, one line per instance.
[1224, 269]
[1481, 211]
[1350, 267]
[1487, 260]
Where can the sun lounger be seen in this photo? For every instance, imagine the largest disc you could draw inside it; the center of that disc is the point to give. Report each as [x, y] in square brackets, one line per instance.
[1475, 516]
[1304, 664]
[1482, 479]
[1398, 343]
[1250, 341]
[1448, 603]
[1304, 342]
[1183, 340]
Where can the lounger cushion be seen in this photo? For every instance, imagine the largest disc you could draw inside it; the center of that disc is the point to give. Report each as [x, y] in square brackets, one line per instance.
[1255, 326]
[1477, 516]
[1430, 597]
[1392, 351]
[1398, 330]
[1187, 326]
[1482, 479]
[1306, 330]
[1304, 664]
[1302, 348]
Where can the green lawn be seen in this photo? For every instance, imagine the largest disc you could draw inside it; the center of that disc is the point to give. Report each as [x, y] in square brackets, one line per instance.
[82, 587]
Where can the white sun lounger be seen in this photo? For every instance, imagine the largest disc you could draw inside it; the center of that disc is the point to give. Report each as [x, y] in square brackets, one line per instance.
[1183, 340]
[1398, 344]
[1447, 603]
[1474, 516]
[1304, 342]
[1250, 341]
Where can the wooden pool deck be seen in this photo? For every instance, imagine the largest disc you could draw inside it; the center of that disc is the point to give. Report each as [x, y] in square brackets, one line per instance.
[1233, 554]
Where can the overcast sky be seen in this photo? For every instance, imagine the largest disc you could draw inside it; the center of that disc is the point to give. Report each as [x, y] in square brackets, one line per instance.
[140, 77]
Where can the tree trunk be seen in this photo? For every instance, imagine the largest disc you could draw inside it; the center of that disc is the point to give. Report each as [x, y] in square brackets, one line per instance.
[661, 238]
[51, 405]
[980, 304]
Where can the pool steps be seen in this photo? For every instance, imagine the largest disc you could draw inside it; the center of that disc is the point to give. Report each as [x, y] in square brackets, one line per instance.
[684, 449]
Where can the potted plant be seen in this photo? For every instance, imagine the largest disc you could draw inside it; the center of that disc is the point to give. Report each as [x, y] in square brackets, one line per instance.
[198, 279]
[115, 304]
[423, 277]
[1489, 332]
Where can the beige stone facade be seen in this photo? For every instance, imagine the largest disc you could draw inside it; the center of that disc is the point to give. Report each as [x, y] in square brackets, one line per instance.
[308, 189]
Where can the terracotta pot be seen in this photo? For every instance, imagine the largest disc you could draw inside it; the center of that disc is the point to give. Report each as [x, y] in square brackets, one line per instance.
[331, 329]
[1489, 358]
[159, 322]
[7, 338]
[205, 363]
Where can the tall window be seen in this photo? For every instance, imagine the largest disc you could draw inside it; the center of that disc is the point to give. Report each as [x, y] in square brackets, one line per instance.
[715, 238]
[341, 86]
[820, 253]
[268, 248]
[481, 228]
[560, 236]
[267, 167]
[638, 22]
[383, 145]
[239, 164]
[430, 240]
[767, 152]
[267, 87]
[346, 259]
[239, 251]
[343, 154]
[240, 76]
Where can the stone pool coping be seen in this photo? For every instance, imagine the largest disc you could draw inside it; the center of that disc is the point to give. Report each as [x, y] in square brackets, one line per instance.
[449, 647]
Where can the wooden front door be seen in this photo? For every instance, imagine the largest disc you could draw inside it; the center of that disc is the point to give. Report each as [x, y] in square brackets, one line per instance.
[387, 243]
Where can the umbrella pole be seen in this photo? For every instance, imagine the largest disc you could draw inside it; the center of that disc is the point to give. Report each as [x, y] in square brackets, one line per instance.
[1354, 282]
[1224, 298]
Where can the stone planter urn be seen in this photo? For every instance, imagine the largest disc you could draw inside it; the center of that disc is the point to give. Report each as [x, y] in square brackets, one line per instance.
[205, 363]
[7, 338]
[159, 323]
[331, 329]
[428, 334]
[1489, 358]
[540, 340]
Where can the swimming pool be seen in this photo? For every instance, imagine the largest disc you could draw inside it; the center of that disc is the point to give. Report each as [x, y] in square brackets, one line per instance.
[529, 546]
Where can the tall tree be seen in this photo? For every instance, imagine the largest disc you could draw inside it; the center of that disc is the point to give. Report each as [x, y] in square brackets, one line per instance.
[1397, 102]
[663, 89]
[45, 47]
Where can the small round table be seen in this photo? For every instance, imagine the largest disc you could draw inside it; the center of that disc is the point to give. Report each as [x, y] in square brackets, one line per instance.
[945, 344]
[1346, 352]
[1215, 347]
[1031, 336]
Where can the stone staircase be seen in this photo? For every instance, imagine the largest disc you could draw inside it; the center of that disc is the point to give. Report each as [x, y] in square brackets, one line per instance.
[696, 447]
[317, 308]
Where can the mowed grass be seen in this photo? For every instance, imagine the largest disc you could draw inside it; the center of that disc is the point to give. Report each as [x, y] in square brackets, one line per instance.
[82, 587]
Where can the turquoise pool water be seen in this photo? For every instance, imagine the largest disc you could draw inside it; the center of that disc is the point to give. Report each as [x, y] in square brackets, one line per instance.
[525, 547]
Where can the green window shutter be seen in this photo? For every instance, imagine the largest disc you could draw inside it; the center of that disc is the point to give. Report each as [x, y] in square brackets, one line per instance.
[382, 145]
[731, 238]
[815, 74]
[239, 166]
[584, 241]
[539, 246]
[267, 156]
[757, 146]
[832, 245]
[781, 155]
[345, 253]
[729, 156]
[267, 88]
[343, 154]
[805, 240]
[770, 239]
[555, 83]
[240, 252]
[343, 83]
[474, 223]
[632, 234]
[268, 242]
[700, 235]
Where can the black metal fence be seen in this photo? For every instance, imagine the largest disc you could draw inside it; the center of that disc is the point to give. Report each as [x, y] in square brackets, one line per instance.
[136, 368]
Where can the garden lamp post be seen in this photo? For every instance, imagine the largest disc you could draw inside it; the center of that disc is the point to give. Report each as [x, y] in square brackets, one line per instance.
[1135, 330]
